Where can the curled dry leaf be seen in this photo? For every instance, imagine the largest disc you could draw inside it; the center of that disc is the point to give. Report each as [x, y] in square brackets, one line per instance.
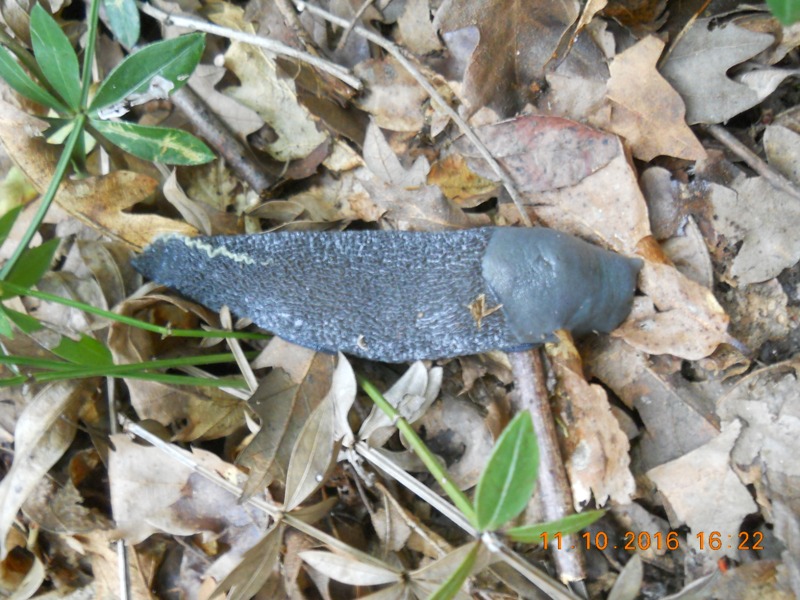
[313, 453]
[684, 319]
[411, 395]
[645, 110]
[596, 449]
[42, 434]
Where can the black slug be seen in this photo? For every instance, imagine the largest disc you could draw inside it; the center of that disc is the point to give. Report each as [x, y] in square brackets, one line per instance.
[398, 296]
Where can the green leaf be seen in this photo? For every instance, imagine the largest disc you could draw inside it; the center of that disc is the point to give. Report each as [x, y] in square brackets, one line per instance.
[532, 534]
[509, 476]
[55, 56]
[26, 323]
[786, 11]
[453, 584]
[34, 263]
[6, 330]
[86, 351]
[157, 144]
[7, 222]
[173, 60]
[19, 80]
[123, 18]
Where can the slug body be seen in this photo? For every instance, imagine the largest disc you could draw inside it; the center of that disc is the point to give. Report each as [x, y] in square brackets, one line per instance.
[399, 296]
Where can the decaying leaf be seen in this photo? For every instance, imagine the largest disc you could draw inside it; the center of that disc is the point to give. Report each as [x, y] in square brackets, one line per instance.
[684, 318]
[313, 453]
[269, 93]
[727, 500]
[99, 202]
[698, 64]
[284, 400]
[596, 449]
[766, 219]
[43, 432]
[645, 110]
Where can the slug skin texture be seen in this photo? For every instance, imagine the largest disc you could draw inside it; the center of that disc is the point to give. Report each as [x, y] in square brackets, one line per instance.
[397, 296]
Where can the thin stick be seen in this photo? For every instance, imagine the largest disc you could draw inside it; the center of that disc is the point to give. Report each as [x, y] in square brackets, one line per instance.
[249, 38]
[556, 496]
[359, 13]
[238, 156]
[754, 161]
[465, 128]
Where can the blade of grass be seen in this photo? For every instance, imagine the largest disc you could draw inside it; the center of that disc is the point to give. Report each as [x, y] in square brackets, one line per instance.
[47, 199]
[418, 446]
[164, 331]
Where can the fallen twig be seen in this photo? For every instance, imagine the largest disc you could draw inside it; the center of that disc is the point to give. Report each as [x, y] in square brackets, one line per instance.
[754, 161]
[554, 490]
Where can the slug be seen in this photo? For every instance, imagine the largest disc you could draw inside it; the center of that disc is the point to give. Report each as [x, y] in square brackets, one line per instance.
[397, 296]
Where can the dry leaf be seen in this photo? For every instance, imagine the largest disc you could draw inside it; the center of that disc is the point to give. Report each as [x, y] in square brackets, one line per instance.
[782, 147]
[350, 570]
[726, 501]
[402, 194]
[284, 400]
[684, 318]
[42, 434]
[766, 219]
[269, 93]
[698, 64]
[596, 449]
[395, 99]
[517, 41]
[675, 423]
[646, 111]
[313, 452]
[256, 566]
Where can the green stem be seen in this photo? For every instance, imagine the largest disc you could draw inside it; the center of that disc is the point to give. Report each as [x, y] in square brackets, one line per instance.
[88, 55]
[420, 449]
[49, 196]
[164, 331]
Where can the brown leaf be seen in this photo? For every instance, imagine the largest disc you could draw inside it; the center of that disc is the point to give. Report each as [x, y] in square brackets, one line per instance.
[517, 41]
[675, 420]
[646, 111]
[394, 98]
[698, 64]
[99, 202]
[284, 400]
[313, 452]
[42, 434]
[726, 500]
[684, 318]
[255, 567]
[596, 449]
[197, 412]
[403, 194]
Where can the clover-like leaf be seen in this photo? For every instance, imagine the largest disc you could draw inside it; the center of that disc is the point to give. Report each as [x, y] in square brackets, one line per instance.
[20, 81]
[171, 60]
[123, 19]
[56, 56]
[509, 476]
[158, 144]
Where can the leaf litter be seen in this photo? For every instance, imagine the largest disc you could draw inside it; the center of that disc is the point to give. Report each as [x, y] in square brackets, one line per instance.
[683, 421]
